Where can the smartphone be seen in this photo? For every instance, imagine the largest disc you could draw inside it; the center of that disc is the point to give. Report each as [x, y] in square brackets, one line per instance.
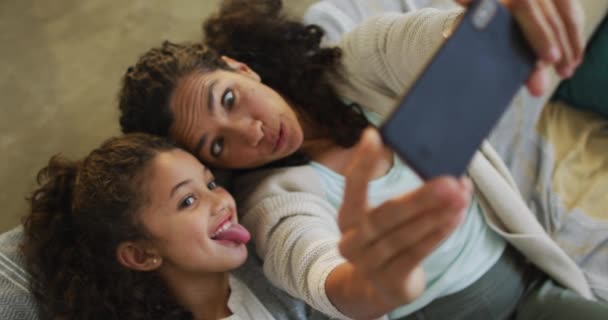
[460, 95]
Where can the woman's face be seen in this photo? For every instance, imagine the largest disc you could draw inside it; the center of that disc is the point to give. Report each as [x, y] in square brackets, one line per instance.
[192, 221]
[232, 120]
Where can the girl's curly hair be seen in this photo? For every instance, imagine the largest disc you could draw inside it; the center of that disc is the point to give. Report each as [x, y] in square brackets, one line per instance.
[285, 53]
[79, 215]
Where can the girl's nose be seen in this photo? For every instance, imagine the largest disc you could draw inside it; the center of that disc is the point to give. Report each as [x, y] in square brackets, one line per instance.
[219, 204]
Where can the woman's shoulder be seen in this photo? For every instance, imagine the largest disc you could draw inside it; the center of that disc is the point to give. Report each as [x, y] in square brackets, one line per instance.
[382, 56]
[252, 187]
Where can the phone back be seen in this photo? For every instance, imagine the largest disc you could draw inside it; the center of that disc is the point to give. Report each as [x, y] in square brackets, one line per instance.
[461, 94]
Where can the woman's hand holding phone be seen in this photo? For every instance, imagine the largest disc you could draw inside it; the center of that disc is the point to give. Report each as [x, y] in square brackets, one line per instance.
[554, 29]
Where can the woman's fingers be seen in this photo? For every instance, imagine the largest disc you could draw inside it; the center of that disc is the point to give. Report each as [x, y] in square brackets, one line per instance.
[565, 65]
[574, 19]
[358, 174]
[539, 79]
[398, 280]
[554, 30]
[442, 193]
[537, 29]
[406, 238]
[398, 223]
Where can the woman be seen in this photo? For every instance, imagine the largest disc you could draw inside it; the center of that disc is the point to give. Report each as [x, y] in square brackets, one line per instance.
[139, 229]
[276, 99]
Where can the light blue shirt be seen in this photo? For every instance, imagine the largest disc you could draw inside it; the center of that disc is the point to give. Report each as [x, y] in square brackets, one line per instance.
[471, 250]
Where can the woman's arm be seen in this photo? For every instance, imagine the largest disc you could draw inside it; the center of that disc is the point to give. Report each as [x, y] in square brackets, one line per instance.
[382, 56]
[296, 234]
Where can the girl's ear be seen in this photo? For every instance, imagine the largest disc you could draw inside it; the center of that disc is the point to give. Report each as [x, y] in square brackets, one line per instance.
[136, 256]
[241, 68]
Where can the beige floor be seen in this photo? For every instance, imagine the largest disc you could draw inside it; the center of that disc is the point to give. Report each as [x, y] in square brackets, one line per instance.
[60, 65]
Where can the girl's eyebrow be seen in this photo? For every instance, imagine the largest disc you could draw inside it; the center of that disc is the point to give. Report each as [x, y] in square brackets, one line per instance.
[185, 182]
[177, 186]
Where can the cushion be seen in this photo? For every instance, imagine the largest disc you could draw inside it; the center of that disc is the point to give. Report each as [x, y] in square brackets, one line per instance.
[16, 302]
[586, 90]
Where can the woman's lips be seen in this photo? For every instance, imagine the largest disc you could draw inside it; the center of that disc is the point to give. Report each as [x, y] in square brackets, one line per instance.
[280, 139]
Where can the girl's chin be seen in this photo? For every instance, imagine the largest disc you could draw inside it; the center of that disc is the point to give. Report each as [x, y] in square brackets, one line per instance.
[235, 252]
[229, 243]
[240, 257]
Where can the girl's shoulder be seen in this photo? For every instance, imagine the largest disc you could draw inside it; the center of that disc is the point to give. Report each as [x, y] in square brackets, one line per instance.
[259, 294]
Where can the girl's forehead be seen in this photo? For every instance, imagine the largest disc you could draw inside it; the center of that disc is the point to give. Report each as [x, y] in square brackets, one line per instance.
[170, 169]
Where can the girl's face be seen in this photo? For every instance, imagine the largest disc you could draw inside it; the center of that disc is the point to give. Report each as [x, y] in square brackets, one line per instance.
[193, 221]
[232, 120]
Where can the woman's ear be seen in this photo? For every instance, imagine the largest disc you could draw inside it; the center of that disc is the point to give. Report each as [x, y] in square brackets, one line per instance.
[241, 68]
[138, 257]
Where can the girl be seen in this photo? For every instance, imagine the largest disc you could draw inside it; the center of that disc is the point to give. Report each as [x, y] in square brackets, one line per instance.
[275, 99]
[139, 229]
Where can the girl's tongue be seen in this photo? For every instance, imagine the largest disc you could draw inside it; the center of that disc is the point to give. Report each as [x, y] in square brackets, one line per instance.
[235, 233]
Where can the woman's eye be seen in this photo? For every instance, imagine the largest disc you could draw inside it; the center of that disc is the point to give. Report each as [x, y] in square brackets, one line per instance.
[212, 185]
[216, 147]
[187, 202]
[228, 99]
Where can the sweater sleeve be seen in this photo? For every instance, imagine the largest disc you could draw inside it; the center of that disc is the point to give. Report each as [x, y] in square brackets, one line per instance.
[382, 56]
[295, 232]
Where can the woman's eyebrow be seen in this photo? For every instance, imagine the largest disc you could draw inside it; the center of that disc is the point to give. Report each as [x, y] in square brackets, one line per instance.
[210, 96]
[211, 109]
[199, 145]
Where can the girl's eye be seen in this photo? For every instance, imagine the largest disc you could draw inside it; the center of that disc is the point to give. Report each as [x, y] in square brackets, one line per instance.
[212, 185]
[216, 147]
[187, 202]
[228, 99]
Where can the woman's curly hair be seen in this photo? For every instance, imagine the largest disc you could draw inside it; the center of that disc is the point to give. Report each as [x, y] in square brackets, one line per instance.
[79, 215]
[288, 57]
[147, 86]
[286, 54]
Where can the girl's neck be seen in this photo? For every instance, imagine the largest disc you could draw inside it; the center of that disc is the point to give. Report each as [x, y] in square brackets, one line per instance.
[206, 295]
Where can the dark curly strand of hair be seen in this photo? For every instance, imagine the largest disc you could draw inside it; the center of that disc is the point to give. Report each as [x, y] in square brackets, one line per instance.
[147, 86]
[79, 215]
[288, 57]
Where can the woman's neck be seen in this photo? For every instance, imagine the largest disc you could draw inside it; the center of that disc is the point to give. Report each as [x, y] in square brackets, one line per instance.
[336, 158]
[206, 296]
[320, 147]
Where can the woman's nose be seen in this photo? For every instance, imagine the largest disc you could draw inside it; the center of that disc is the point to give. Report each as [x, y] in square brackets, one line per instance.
[251, 131]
